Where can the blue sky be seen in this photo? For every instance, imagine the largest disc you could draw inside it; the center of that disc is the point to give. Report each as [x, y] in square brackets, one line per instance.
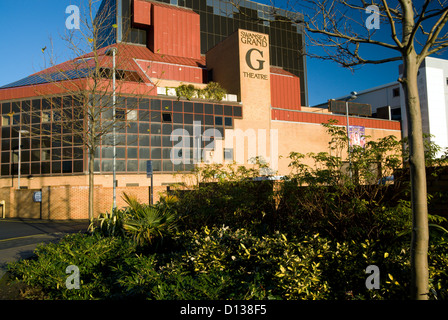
[27, 25]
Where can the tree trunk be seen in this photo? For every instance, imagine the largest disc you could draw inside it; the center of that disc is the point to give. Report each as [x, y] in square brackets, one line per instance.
[91, 184]
[420, 233]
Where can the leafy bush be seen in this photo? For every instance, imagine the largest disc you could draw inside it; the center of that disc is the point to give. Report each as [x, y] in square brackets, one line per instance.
[225, 263]
[226, 194]
[93, 254]
[146, 223]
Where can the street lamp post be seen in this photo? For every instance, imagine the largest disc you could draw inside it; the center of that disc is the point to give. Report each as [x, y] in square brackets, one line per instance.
[353, 96]
[20, 156]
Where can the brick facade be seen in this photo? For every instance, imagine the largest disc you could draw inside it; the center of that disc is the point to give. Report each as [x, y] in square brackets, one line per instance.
[68, 201]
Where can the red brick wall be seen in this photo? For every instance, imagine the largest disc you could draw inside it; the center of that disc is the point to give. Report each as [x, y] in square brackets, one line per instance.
[68, 202]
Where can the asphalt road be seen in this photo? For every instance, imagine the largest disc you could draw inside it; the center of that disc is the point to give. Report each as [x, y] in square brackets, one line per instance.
[19, 238]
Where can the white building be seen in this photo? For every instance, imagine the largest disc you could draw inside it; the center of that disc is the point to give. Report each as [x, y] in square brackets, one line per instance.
[387, 101]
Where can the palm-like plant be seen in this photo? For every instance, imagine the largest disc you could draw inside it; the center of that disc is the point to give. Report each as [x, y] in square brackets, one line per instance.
[147, 223]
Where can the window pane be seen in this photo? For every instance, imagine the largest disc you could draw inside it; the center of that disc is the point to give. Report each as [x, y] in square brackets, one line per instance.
[167, 165]
[156, 153]
[78, 166]
[132, 165]
[156, 141]
[132, 153]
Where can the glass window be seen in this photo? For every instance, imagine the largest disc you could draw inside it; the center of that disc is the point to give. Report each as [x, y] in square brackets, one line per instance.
[5, 157]
[132, 165]
[167, 165]
[166, 141]
[121, 153]
[199, 118]
[143, 128]
[132, 153]
[208, 120]
[67, 166]
[6, 133]
[218, 121]
[132, 103]
[218, 109]
[188, 107]
[156, 165]
[144, 153]
[188, 118]
[78, 153]
[45, 155]
[156, 141]
[155, 117]
[121, 165]
[35, 156]
[144, 104]
[178, 118]
[166, 117]
[156, 153]
[144, 140]
[56, 167]
[56, 154]
[96, 165]
[177, 106]
[133, 127]
[166, 153]
[45, 167]
[237, 111]
[167, 129]
[208, 108]
[198, 108]
[132, 139]
[167, 105]
[155, 104]
[228, 121]
[227, 110]
[78, 166]
[156, 128]
[107, 152]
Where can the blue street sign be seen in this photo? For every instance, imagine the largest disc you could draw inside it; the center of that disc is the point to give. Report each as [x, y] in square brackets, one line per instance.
[148, 168]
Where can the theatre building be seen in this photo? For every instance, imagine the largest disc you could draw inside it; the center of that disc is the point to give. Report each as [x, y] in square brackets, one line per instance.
[262, 114]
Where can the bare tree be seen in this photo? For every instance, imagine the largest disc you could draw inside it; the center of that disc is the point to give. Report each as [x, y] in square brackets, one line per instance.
[345, 32]
[91, 84]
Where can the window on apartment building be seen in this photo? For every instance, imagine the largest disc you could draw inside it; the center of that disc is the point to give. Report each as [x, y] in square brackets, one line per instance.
[396, 92]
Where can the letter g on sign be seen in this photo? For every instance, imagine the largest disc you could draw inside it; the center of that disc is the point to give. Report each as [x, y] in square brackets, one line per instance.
[249, 61]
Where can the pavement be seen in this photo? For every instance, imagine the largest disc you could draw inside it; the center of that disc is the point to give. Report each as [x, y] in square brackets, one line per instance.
[19, 237]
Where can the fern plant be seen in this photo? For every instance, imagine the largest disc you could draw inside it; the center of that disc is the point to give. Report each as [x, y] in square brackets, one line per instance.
[146, 223]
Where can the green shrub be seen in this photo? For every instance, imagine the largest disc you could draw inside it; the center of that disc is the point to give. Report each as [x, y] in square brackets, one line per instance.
[92, 254]
[225, 263]
[146, 223]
